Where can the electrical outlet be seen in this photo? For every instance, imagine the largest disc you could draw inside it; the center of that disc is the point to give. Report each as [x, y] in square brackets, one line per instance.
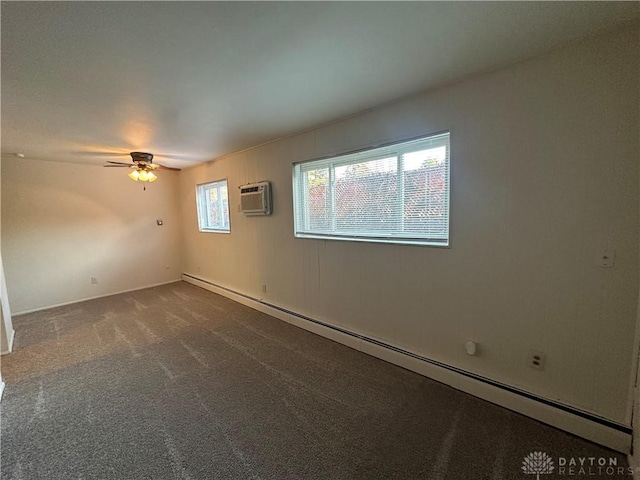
[536, 359]
[94, 280]
[264, 288]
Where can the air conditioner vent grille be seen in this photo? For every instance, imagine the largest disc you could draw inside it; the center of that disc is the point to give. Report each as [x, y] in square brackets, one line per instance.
[255, 199]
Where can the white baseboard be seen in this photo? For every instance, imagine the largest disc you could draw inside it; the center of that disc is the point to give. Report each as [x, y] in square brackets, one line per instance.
[540, 409]
[1, 390]
[9, 348]
[39, 309]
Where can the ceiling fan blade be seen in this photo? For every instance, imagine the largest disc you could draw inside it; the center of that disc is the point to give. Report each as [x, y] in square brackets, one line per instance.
[119, 166]
[120, 163]
[167, 168]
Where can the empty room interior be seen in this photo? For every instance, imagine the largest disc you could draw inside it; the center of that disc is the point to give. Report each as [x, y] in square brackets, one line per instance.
[332, 240]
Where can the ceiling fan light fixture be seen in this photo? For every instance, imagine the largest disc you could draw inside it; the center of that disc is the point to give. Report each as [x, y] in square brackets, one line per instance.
[141, 167]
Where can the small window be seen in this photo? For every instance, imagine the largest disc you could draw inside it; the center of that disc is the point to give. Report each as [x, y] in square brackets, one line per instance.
[397, 194]
[213, 207]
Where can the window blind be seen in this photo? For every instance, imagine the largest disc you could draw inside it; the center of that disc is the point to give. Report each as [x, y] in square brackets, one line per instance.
[397, 193]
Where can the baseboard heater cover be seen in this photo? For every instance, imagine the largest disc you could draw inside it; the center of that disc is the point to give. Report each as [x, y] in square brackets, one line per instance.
[618, 427]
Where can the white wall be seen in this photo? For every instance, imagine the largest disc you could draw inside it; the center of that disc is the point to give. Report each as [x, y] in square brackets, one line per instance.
[6, 323]
[64, 223]
[544, 179]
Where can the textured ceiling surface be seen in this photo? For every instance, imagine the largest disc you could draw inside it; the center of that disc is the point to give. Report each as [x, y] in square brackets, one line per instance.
[196, 80]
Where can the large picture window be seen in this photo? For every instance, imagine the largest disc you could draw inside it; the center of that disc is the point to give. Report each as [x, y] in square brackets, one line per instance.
[213, 207]
[397, 193]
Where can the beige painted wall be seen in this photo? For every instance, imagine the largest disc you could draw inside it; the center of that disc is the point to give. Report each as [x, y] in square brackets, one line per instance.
[64, 223]
[544, 179]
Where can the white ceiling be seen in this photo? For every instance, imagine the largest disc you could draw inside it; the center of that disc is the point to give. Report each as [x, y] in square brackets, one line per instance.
[196, 80]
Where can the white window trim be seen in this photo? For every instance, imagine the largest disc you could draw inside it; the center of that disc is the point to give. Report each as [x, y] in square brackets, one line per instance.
[396, 149]
[201, 207]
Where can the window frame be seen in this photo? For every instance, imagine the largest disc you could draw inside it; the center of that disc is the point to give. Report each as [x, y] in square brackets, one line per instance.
[395, 149]
[201, 205]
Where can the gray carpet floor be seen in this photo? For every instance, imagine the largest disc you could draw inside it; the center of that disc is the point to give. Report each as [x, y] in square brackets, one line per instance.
[175, 382]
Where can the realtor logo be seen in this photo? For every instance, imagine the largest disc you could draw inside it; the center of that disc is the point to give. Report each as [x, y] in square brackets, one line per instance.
[537, 463]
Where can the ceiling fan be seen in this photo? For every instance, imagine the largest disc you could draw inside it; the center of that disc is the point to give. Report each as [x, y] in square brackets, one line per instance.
[142, 167]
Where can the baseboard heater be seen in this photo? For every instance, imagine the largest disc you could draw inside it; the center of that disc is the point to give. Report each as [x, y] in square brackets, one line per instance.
[531, 396]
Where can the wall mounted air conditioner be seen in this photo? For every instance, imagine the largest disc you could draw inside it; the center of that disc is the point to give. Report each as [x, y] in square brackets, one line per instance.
[255, 198]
